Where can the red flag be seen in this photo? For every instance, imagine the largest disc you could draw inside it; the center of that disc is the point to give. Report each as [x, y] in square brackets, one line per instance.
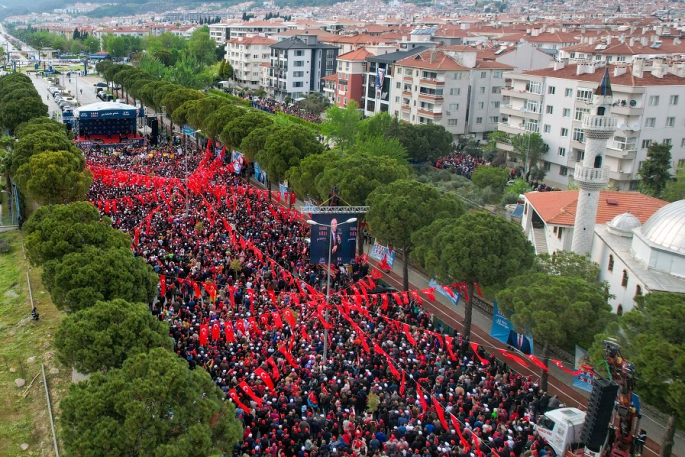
[376, 274]
[415, 295]
[196, 288]
[216, 331]
[383, 264]
[422, 400]
[430, 293]
[478, 291]
[441, 413]
[483, 361]
[407, 333]
[402, 384]
[264, 376]
[288, 356]
[228, 330]
[204, 334]
[289, 318]
[448, 343]
[274, 368]
[162, 284]
[513, 357]
[250, 393]
[278, 323]
[561, 365]
[384, 298]
[537, 362]
[234, 396]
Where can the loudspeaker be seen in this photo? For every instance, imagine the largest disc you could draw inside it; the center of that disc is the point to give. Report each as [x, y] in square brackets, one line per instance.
[599, 412]
[151, 120]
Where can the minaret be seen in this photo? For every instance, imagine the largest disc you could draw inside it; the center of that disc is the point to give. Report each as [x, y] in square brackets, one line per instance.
[592, 176]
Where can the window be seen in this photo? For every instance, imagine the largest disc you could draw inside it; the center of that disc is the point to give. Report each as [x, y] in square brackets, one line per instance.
[564, 131]
[454, 106]
[580, 113]
[547, 166]
[299, 53]
[535, 87]
[493, 119]
[398, 71]
[495, 104]
[481, 90]
[560, 231]
[532, 106]
[567, 112]
[547, 128]
[667, 141]
[456, 75]
[638, 290]
[298, 63]
[496, 90]
[623, 143]
[610, 265]
[551, 90]
[578, 135]
[452, 121]
[429, 75]
[481, 105]
[646, 143]
[682, 143]
[298, 74]
[455, 90]
[483, 74]
[673, 100]
[670, 121]
[298, 84]
[398, 85]
[580, 154]
[563, 171]
[654, 100]
[624, 280]
[568, 93]
[584, 95]
[479, 120]
[497, 74]
[397, 99]
[562, 152]
[550, 109]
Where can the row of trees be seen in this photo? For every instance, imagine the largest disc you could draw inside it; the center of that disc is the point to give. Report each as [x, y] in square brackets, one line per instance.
[141, 397]
[39, 39]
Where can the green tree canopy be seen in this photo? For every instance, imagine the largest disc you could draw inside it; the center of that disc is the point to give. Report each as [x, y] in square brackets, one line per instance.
[493, 177]
[314, 103]
[17, 111]
[675, 189]
[39, 124]
[255, 142]
[53, 231]
[154, 406]
[82, 278]
[529, 146]
[655, 169]
[54, 177]
[478, 247]
[570, 264]
[215, 122]
[202, 47]
[175, 99]
[341, 124]
[652, 336]
[375, 126]
[302, 179]
[558, 311]
[37, 143]
[423, 142]
[238, 128]
[101, 337]
[402, 208]
[378, 146]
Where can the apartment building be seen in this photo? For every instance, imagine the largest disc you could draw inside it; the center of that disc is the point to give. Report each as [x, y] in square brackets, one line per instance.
[624, 49]
[431, 87]
[486, 80]
[648, 101]
[298, 65]
[222, 32]
[347, 83]
[246, 55]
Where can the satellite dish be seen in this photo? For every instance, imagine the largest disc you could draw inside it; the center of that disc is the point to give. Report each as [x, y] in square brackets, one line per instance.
[633, 103]
[635, 128]
[623, 127]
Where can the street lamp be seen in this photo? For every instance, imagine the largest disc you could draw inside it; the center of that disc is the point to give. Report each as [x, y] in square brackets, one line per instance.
[328, 279]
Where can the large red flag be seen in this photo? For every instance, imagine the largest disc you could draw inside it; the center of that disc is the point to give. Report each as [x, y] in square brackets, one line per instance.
[422, 399]
[228, 330]
[274, 368]
[457, 427]
[204, 334]
[288, 356]
[513, 357]
[234, 396]
[264, 376]
[250, 393]
[441, 413]
[483, 361]
[537, 362]
[561, 365]
[162, 284]
[216, 331]
[402, 383]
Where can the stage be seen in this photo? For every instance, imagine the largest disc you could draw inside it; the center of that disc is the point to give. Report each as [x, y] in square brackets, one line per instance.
[107, 124]
[108, 141]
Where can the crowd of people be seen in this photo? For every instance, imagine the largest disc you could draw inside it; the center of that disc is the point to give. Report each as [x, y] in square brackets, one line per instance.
[243, 303]
[274, 106]
[460, 163]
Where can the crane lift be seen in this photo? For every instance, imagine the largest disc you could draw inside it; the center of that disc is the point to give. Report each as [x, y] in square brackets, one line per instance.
[608, 427]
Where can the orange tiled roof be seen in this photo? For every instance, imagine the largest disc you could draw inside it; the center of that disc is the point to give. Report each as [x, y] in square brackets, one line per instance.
[559, 208]
[431, 60]
[626, 79]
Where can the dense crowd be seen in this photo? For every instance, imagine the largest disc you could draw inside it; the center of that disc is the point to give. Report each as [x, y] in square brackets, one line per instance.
[460, 163]
[243, 303]
[273, 106]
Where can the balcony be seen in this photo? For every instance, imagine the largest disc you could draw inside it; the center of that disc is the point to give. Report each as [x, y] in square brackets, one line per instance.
[600, 123]
[512, 129]
[425, 112]
[516, 112]
[592, 176]
[620, 176]
[429, 96]
[406, 108]
[623, 154]
[406, 93]
[627, 110]
[432, 82]
[409, 79]
[521, 94]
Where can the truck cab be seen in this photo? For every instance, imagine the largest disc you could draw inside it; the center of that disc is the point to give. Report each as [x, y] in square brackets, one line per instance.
[561, 428]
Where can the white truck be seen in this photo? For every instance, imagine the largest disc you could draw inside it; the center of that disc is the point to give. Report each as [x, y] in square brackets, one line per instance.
[561, 428]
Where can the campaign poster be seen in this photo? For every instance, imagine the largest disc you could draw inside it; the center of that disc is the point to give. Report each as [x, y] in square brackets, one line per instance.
[503, 330]
[378, 251]
[586, 379]
[333, 236]
[447, 291]
[259, 174]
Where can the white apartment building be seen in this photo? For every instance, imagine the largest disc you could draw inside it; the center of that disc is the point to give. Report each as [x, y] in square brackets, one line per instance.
[648, 101]
[486, 81]
[298, 65]
[222, 32]
[431, 87]
[247, 56]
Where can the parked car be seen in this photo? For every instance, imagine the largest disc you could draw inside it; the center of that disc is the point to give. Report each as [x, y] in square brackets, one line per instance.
[100, 84]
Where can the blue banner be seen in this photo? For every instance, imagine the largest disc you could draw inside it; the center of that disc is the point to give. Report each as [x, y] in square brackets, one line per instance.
[378, 251]
[446, 291]
[259, 174]
[503, 330]
[586, 379]
[283, 189]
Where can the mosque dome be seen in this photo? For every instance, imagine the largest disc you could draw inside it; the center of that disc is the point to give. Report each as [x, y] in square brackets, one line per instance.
[623, 225]
[666, 227]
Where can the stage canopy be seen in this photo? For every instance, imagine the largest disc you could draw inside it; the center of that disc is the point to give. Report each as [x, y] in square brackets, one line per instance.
[108, 110]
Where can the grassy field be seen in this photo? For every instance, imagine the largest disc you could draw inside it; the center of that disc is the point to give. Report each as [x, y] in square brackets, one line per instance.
[23, 413]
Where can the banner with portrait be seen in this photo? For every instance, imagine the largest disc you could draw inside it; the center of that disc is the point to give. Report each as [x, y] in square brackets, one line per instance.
[378, 251]
[586, 379]
[447, 291]
[332, 236]
[503, 330]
